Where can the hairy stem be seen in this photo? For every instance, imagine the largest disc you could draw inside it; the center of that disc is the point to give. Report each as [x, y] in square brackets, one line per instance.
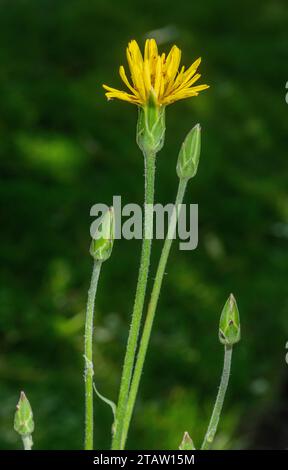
[212, 428]
[27, 442]
[139, 300]
[88, 355]
[151, 311]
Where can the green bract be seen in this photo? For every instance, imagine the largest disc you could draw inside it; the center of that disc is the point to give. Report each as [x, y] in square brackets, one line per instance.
[151, 127]
[189, 154]
[229, 327]
[23, 421]
[101, 246]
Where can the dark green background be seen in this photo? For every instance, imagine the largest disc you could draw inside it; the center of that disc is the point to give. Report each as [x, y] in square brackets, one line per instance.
[64, 148]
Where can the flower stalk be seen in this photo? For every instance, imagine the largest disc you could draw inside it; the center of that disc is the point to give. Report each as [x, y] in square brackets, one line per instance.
[151, 311]
[88, 356]
[191, 150]
[100, 250]
[229, 334]
[215, 417]
[148, 148]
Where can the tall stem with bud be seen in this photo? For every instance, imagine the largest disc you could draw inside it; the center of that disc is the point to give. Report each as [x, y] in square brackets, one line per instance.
[186, 168]
[150, 138]
[100, 250]
[229, 334]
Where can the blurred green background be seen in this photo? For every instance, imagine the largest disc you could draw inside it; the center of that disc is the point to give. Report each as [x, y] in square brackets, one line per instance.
[64, 148]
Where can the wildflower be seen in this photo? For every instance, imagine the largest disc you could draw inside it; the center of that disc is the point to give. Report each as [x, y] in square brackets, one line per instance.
[156, 76]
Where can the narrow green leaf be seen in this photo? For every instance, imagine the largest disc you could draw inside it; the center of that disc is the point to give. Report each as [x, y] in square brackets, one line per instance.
[106, 400]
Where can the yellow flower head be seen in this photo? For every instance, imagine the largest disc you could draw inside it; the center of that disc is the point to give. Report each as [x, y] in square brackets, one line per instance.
[156, 75]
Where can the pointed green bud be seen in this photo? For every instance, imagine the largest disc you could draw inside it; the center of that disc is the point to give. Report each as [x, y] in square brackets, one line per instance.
[187, 443]
[102, 242]
[229, 327]
[189, 154]
[151, 126]
[23, 421]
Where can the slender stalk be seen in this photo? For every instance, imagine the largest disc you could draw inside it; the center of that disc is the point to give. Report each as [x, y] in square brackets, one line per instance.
[151, 310]
[88, 355]
[139, 300]
[27, 442]
[212, 428]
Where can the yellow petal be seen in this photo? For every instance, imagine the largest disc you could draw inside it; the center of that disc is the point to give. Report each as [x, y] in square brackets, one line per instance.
[185, 84]
[193, 80]
[122, 95]
[153, 54]
[158, 77]
[173, 62]
[200, 87]
[109, 88]
[147, 76]
[135, 52]
[192, 69]
[136, 69]
[125, 79]
[146, 49]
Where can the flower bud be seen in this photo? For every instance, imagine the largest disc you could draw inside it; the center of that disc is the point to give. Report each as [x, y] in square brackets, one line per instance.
[23, 421]
[187, 443]
[102, 242]
[229, 327]
[189, 154]
[151, 126]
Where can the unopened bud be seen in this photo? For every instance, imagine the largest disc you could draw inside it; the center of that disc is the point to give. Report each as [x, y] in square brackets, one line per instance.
[229, 327]
[23, 421]
[189, 154]
[102, 242]
[151, 126]
[187, 443]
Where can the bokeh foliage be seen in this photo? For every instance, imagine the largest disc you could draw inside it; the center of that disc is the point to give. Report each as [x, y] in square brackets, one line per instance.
[63, 148]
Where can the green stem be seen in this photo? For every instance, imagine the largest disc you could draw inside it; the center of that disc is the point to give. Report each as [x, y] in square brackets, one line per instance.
[139, 300]
[151, 311]
[88, 355]
[212, 428]
[27, 442]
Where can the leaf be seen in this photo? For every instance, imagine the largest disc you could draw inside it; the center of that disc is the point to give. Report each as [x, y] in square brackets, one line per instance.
[106, 400]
